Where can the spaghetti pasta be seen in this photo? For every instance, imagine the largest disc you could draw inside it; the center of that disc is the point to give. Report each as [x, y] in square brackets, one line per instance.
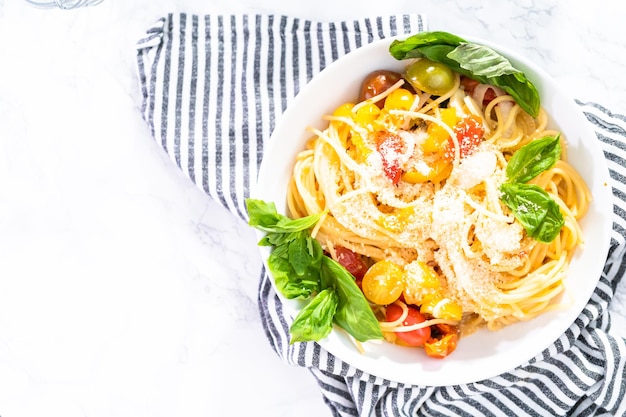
[414, 179]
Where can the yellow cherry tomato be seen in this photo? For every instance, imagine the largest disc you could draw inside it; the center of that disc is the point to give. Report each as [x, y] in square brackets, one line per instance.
[437, 138]
[345, 110]
[397, 221]
[438, 171]
[366, 114]
[448, 310]
[426, 275]
[400, 99]
[361, 150]
[441, 308]
[429, 302]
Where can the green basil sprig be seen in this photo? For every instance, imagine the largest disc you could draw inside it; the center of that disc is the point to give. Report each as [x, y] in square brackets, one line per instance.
[301, 270]
[354, 313]
[531, 205]
[478, 62]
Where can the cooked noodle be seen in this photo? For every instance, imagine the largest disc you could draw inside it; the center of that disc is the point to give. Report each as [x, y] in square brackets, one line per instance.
[455, 224]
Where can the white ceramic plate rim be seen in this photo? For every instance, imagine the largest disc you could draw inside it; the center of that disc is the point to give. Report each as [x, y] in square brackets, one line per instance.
[484, 354]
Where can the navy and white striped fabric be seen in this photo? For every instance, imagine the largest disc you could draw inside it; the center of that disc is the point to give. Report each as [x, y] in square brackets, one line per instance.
[212, 89]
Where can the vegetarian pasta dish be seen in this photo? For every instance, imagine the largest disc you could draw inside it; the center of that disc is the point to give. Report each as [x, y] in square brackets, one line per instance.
[443, 192]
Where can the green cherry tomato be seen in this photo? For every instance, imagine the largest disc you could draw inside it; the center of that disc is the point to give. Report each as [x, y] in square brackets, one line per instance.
[431, 77]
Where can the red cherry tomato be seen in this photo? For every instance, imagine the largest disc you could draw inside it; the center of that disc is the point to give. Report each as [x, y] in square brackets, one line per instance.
[389, 145]
[489, 95]
[352, 261]
[470, 84]
[469, 133]
[414, 337]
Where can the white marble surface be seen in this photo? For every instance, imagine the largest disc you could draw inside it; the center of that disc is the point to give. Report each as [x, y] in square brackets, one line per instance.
[124, 291]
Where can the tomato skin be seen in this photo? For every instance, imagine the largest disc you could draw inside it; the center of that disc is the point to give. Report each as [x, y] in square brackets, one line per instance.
[383, 283]
[440, 348]
[442, 329]
[469, 133]
[443, 341]
[389, 145]
[400, 99]
[415, 338]
[470, 84]
[489, 96]
[352, 262]
[431, 77]
[377, 82]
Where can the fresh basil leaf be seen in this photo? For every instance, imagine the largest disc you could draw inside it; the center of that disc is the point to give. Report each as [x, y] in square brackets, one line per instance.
[409, 47]
[287, 225]
[354, 314]
[281, 251]
[533, 207]
[534, 158]
[521, 89]
[282, 272]
[299, 256]
[316, 252]
[439, 53]
[551, 225]
[300, 269]
[290, 284]
[315, 320]
[263, 216]
[309, 282]
[277, 239]
[489, 67]
[475, 61]
[482, 61]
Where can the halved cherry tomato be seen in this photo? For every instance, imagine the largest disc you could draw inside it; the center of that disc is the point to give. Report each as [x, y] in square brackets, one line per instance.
[490, 94]
[352, 261]
[441, 307]
[439, 171]
[469, 133]
[442, 329]
[437, 137]
[389, 146]
[440, 348]
[398, 220]
[468, 84]
[414, 337]
[443, 341]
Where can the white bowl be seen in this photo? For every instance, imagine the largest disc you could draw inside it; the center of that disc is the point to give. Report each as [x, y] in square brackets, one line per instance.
[484, 354]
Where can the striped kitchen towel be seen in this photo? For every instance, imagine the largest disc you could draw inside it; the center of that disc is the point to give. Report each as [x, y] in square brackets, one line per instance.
[213, 87]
